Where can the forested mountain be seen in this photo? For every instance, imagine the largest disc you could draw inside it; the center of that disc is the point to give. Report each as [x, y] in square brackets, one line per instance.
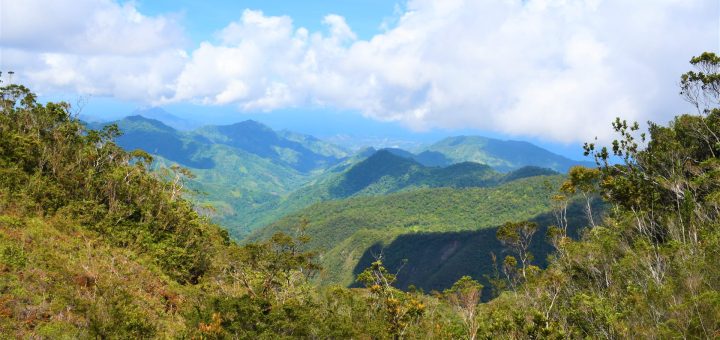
[501, 155]
[249, 175]
[384, 172]
[238, 169]
[346, 230]
[158, 113]
[262, 141]
[300, 152]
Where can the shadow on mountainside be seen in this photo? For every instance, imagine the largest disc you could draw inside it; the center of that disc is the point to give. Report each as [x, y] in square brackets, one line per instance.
[434, 261]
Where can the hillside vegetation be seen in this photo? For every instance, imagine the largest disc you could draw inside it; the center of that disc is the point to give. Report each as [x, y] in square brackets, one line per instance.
[95, 245]
[238, 169]
[384, 172]
[344, 229]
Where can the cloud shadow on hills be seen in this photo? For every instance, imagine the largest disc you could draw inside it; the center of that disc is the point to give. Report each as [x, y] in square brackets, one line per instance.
[435, 260]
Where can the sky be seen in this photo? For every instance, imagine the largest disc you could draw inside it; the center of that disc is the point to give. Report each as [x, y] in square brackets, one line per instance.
[554, 72]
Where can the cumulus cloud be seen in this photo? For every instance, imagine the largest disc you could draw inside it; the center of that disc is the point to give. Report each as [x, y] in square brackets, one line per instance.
[95, 47]
[554, 69]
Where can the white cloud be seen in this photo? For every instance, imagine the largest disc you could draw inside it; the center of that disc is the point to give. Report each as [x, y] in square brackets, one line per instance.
[95, 47]
[85, 27]
[554, 69]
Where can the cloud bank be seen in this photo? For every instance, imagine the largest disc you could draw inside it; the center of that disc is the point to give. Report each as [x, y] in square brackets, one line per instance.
[554, 69]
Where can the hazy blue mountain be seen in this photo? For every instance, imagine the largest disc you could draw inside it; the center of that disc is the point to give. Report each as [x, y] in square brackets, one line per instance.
[301, 153]
[499, 154]
[167, 118]
[357, 142]
[159, 139]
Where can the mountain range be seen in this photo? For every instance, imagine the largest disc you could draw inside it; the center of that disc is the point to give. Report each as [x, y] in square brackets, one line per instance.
[252, 175]
[358, 228]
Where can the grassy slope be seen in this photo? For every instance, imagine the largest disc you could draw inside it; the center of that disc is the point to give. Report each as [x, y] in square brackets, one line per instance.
[60, 280]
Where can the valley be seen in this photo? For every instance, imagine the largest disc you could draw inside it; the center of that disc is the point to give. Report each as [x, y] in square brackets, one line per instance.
[256, 182]
[251, 176]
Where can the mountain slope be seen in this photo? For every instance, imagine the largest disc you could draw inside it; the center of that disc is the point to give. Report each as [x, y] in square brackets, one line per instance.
[501, 155]
[385, 172]
[239, 169]
[92, 243]
[345, 229]
[260, 140]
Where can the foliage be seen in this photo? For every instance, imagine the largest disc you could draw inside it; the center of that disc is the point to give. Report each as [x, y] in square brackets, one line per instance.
[464, 296]
[399, 310]
[649, 269]
[343, 229]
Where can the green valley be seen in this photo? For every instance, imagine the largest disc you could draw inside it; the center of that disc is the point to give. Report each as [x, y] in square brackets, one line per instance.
[344, 229]
[247, 175]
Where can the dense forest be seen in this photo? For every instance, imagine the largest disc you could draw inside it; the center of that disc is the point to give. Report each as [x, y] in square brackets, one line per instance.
[344, 231]
[384, 172]
[241, 170]
[96, 244]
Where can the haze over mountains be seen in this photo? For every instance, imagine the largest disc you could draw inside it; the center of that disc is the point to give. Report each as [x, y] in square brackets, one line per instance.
[252, 175]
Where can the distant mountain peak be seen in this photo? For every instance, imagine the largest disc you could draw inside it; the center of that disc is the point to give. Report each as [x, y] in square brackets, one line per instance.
[391, 155]
[251, 124]
[158, 113]
[150, 110]
[503, 155]
[150, 121]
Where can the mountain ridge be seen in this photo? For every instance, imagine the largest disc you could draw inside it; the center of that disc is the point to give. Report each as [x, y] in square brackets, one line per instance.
[342, 228]
[254, 175]
[503, 155]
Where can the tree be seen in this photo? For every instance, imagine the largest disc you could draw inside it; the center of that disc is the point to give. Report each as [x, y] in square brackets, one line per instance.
[702, 88]
[464, 296]
[399, 310]
[586, 182]
[518, 236]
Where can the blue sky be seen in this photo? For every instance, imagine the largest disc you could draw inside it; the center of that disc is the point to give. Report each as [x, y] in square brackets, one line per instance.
[203, 18]
[552, 72]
